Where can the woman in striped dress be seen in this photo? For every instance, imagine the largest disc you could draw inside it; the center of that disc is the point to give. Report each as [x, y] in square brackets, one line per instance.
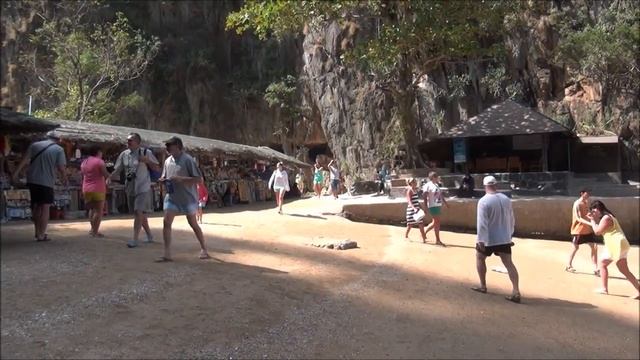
[413, 206]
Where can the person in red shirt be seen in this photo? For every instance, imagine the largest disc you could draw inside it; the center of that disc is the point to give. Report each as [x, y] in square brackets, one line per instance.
[203, 198]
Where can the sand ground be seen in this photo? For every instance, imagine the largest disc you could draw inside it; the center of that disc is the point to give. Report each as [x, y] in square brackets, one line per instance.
[268, 294]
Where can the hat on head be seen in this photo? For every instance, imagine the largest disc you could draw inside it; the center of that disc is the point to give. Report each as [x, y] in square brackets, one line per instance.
[53, 135]
[489, 180]
[174, 140]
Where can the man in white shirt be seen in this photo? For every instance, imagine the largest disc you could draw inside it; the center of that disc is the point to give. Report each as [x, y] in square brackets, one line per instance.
[335, 178]
[495, 228]
[136, 162]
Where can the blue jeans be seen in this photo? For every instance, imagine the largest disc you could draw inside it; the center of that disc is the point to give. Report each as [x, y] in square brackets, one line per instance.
[188, 209]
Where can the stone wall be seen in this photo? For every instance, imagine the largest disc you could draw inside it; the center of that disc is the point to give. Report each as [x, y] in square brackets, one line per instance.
[547, 218]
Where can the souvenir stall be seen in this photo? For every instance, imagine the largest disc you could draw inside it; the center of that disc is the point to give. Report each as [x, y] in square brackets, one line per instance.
[231, 180]
[234, 173]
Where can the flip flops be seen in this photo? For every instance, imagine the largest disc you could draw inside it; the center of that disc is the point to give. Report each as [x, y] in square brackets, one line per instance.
[513, 298]
[45, 238]
[569, 269]
[163, 259]
[479, 289]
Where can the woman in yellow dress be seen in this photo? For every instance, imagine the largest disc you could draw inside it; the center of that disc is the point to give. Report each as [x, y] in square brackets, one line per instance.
[616, 245]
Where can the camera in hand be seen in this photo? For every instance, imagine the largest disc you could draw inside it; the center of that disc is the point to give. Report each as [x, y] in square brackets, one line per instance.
[131, 174]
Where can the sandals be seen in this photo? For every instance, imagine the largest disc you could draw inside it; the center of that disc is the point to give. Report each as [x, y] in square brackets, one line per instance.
[45, 238]
[601, 291]
[97, 234]
[479, 289]
[596, 273]
[570, 269]
[204, 256]
[513, 298]
[163, 259]
[440, 243]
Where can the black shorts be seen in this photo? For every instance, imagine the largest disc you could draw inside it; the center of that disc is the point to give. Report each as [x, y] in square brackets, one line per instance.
[583, 239]
[40, 194]
[489, 250]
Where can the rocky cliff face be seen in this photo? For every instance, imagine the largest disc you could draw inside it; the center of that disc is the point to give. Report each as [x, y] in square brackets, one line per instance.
[209, 82]
[354, 114]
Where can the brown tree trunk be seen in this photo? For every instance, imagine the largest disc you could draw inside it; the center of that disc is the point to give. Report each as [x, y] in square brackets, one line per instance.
[404, 98]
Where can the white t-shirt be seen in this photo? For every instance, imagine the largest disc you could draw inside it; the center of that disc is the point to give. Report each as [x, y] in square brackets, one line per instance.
[335, 173]
[279, 179]
[495, 220]
[434, 194]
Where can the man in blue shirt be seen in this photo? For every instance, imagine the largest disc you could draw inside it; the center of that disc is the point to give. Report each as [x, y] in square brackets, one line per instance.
[180, 175]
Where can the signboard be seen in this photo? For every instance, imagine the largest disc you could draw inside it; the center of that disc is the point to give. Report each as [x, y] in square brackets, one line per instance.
[459, 150]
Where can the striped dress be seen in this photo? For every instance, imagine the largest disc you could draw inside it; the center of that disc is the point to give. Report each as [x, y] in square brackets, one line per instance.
[410, 209]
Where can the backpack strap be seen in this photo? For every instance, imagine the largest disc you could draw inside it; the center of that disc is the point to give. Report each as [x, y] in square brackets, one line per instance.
[41, 151]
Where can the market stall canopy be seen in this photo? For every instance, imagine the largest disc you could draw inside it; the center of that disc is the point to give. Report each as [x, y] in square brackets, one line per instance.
[101, 133]
[12, 122]
[504, 119]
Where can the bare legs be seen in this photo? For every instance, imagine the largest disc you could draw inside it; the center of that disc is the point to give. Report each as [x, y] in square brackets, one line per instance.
[594, 256]
[140, 222]
[624, 269]
[435, 225]
[169, 216]
[318, 189]
[95, 216]
[199, 215]
[481, 267]
[422, 232]
[513, 273]
[40, 218]
[279, 199]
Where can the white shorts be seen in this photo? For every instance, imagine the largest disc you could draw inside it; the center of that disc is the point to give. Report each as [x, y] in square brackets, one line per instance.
[278, 189]
[607, 256]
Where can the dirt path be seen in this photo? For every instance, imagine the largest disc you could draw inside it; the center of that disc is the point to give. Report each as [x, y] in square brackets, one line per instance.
[267, 294]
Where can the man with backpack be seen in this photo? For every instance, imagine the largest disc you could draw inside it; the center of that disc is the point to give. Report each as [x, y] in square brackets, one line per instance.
[43, 158]
[137, 163]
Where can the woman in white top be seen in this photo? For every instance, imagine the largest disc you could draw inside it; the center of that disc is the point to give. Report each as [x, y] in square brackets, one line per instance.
[434, 199]
[280, 182]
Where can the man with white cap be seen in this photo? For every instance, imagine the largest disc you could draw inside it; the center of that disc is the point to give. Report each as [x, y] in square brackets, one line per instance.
[495, 228]
[43, 158]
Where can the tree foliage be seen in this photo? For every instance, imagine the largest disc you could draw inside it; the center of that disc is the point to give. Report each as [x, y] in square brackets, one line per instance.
[603, 47]
[283, 96]
[412, 38]
[81, 64]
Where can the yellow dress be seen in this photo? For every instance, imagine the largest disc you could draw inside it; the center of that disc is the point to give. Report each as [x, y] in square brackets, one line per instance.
[615, 243]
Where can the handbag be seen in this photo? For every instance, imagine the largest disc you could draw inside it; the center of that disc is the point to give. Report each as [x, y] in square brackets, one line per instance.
[419, 215]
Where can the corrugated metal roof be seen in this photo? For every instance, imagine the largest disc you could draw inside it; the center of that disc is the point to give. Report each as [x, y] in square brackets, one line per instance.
[12, 122]
[101, 133]
[598, 139]
[506, 118]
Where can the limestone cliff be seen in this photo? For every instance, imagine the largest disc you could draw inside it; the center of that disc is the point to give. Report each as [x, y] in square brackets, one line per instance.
[210, 82]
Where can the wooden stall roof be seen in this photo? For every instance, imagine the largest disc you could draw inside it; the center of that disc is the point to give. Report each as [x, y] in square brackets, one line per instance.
[13, 122]
[506, 118]
[111, 134]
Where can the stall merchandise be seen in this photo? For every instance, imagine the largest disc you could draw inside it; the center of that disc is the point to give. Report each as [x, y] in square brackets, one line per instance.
[18, 204]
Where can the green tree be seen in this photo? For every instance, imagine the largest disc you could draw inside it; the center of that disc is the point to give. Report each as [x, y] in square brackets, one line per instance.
[413, 38]
[80, 63]
[603, 47]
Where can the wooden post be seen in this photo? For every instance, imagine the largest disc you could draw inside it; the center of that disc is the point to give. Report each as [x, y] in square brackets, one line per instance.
[545, 152]
[569, 154]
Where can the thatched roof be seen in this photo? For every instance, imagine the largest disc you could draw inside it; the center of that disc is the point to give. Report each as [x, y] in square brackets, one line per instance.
[110, 134]
[12, 122]
[506, 118]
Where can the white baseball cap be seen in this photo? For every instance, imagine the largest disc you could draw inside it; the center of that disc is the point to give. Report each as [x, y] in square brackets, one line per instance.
[53, 135]
[489, 180]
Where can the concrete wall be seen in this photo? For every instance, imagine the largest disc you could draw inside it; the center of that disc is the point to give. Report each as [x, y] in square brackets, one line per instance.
[548, 218]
